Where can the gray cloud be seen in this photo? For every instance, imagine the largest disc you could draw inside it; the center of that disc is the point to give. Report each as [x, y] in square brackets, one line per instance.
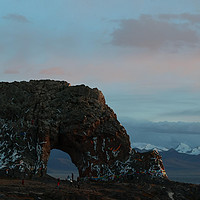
[184, 113]
[147, 32]
[16, 17]
[168, 134]
[163, 127]
[192, 18]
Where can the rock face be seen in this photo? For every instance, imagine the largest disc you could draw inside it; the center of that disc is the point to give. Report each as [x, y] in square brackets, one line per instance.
[38, 116]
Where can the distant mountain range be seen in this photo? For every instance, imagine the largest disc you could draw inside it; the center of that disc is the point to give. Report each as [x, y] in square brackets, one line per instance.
[181, 148]
[181, 163]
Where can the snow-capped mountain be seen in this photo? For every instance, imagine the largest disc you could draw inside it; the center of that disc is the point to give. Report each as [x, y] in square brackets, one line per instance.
[196, 151]
[147, 147]
[181, 148]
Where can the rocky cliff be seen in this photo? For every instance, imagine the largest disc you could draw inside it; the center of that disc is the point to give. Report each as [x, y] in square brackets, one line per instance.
[38, 116]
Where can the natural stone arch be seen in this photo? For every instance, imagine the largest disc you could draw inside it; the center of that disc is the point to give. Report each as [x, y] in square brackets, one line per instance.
[51, 114]
[38, 116]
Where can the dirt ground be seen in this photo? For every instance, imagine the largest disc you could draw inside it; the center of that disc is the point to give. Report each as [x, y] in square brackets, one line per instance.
[47, 189]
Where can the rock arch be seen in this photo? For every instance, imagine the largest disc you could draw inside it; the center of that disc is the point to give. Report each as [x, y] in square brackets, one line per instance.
[38, 116]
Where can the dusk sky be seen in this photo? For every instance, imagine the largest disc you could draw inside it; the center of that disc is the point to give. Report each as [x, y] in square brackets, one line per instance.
[144, 55]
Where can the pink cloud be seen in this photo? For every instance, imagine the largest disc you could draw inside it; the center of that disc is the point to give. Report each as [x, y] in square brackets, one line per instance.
[53, 71]
[11, 71]
[148, 71]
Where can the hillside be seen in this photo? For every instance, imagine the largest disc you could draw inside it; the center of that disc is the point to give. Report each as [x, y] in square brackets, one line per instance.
[182, 167]
[138, 189]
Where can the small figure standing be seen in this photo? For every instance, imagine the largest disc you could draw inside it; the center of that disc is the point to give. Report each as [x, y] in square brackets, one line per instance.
[41, 171]
[58, 183]
[22, 181]
[78, 182]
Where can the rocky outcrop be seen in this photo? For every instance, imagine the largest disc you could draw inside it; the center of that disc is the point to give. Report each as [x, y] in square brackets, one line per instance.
[38, 116]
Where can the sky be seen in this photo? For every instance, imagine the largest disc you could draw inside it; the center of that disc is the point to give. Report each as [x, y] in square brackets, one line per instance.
[142, 54]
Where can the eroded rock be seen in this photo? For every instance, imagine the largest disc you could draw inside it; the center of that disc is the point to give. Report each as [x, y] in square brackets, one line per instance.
[38, 116]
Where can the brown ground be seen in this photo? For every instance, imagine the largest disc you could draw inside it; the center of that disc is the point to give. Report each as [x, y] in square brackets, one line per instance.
[46, 189]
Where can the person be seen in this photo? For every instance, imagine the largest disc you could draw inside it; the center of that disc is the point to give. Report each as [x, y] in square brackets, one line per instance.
[41, 171]
[58, 183]
[72, 177]
[78, 182]
[7, 172]
[22, 181]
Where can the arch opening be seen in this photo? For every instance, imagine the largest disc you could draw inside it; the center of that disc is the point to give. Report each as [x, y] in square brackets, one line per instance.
[60, 165]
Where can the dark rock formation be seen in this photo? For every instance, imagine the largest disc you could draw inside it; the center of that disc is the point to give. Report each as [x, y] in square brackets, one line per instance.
[38, 116]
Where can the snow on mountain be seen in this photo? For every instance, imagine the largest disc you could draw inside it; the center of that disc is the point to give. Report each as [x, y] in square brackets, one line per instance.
[181, 148]
[147, 147]
[195, 151]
